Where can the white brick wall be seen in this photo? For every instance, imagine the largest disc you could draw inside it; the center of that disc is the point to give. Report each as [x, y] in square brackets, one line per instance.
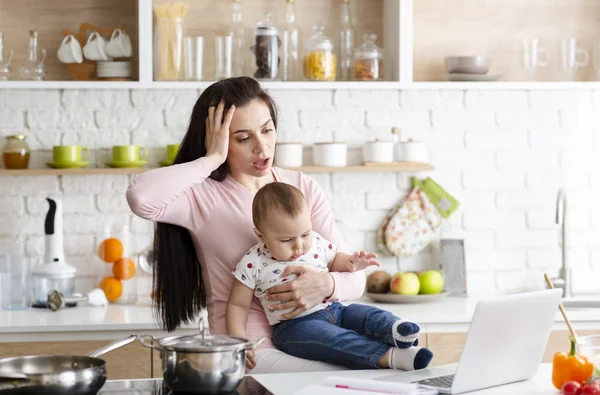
[502, 154]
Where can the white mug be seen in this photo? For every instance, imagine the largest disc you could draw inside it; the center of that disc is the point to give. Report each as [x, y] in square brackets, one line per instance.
[70, 50]
[95, 47]
[119, 45]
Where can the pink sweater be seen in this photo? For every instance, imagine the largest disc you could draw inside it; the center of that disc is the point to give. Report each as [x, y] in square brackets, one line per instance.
[219, 218]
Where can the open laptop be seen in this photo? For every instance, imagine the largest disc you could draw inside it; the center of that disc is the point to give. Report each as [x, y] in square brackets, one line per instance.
[505, 344]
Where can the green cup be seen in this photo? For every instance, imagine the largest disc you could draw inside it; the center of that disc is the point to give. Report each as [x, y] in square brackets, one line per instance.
[69, 154]
[128, 153]
[172, 150]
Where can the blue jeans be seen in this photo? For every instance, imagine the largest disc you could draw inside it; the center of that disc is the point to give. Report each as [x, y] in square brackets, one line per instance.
[355, 336]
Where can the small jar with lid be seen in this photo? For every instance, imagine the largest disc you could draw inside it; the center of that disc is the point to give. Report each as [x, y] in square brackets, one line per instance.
[266, 49]
[16, 152]
[368, 60]
[319, 57]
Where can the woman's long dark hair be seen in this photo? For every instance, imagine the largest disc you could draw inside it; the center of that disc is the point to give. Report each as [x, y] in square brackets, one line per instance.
[177, 279]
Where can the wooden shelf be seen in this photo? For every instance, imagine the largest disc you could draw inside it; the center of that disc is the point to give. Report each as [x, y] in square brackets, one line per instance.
[72, 172]
[370, 168]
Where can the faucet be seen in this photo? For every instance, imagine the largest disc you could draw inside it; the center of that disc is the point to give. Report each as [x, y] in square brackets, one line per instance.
[564, 279]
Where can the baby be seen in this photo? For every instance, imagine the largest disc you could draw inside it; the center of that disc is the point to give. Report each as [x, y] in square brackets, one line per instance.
[356, 336]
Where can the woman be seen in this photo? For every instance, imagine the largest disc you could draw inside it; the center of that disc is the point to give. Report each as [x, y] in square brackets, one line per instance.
[203, 209]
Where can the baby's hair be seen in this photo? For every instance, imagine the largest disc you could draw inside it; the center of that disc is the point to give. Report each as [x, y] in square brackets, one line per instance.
[276, 195]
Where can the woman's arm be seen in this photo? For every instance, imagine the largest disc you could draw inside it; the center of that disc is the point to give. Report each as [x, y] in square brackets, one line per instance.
[346, 286]
[167, 194]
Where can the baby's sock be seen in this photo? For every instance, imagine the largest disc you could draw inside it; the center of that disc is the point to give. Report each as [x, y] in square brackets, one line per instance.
[405, 333]
[412, 358]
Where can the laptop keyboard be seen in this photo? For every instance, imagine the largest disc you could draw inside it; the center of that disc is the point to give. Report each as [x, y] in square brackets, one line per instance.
[440, 381]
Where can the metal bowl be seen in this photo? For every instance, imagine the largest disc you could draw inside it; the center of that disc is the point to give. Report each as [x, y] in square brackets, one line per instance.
[467, 64]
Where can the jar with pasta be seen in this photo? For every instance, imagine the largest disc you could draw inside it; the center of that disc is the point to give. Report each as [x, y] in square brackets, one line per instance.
[168, 41]
[368, 60]
[319, 57]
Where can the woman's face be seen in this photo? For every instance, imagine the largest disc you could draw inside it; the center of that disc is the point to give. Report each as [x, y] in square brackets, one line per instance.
[252, 140]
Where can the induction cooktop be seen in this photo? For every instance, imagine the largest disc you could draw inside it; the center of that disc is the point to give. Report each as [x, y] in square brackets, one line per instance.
[248, 386]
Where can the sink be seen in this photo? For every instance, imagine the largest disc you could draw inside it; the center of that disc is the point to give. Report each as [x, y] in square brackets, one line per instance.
[576, 303]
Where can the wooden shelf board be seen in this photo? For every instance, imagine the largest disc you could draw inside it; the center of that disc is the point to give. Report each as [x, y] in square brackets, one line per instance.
[370, 168]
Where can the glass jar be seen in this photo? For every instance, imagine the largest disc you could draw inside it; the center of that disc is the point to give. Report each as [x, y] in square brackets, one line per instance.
[319, 57]
[16, 152]
[168, 41]
[368, 60]
[266, 49]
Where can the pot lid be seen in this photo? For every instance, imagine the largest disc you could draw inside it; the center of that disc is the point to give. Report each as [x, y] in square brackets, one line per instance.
[206, 343]
[203, 342]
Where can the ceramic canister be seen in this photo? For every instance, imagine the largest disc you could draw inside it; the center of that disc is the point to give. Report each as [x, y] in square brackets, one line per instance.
[330, 154]
[412, 151]
[378, 151]
[288, 154]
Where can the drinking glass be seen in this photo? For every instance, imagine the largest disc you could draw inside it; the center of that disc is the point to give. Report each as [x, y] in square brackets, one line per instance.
[223, 57]
[534, 56]
[15, 274]
[194, 58]
[573, 57]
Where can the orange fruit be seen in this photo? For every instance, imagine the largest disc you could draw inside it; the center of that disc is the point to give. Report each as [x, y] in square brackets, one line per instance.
[110, 250]
[112, 288]
[123, 269]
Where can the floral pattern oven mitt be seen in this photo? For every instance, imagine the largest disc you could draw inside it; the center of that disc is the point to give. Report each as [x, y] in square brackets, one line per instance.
[410, 226]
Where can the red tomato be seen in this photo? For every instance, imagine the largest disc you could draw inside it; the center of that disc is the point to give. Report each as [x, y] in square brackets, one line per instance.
[570, 388]
[590, 389]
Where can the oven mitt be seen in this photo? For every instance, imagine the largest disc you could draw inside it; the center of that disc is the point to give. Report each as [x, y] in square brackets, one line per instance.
[412, 226]
[442, 200]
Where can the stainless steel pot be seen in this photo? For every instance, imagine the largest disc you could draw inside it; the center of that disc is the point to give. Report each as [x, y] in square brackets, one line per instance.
[211, 364]
[57, 374]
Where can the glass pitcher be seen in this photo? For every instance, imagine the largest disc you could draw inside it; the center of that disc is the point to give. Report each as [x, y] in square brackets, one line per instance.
[5, 69]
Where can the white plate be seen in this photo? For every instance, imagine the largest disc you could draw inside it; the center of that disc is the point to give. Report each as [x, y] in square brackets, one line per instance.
[472, 77]
[396, 298]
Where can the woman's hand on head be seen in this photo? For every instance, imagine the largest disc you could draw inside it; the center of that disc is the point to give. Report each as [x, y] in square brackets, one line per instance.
[217, 132]
[310, 288]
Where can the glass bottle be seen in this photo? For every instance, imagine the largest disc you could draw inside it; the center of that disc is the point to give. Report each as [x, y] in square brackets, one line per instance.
[16, 152]
[238, 33]
[319, 57]
[291, 44]
[368, 60]
[5, 70]
[33, 68]
[346, 42]
[266, 49]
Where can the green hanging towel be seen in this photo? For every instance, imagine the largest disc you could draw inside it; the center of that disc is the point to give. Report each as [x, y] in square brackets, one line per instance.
[441, 199]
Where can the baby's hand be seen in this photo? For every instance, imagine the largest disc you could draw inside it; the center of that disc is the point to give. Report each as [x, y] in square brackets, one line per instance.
[362, 260]
[250, 360]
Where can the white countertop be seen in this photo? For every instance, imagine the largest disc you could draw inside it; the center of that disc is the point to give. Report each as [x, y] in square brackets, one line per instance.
[289, 383]
[451, 314]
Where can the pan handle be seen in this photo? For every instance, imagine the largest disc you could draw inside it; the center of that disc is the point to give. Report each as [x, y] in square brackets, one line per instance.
[151, 341]
[258, 343]
[113, 346]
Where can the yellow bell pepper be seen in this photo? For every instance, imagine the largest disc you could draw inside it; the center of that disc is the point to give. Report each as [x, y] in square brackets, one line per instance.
[570, 366]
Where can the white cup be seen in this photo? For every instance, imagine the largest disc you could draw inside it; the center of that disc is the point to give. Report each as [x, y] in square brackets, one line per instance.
[289, 154]
[95, 47]
[330, 154]
[119, 45]
[412, 151]
[70, 50]
[378, 151]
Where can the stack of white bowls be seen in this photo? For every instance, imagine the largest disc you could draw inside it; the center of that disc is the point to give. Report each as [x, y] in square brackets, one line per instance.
[110, 69]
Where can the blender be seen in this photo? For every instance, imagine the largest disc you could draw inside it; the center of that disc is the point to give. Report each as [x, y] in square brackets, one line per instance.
[53, 274]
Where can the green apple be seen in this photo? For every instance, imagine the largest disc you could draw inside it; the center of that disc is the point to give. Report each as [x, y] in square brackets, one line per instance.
[431, 281]
[405, 284]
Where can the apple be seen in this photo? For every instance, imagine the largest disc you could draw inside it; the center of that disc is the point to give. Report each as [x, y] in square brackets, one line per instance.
[405, 284]
[431, 282]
